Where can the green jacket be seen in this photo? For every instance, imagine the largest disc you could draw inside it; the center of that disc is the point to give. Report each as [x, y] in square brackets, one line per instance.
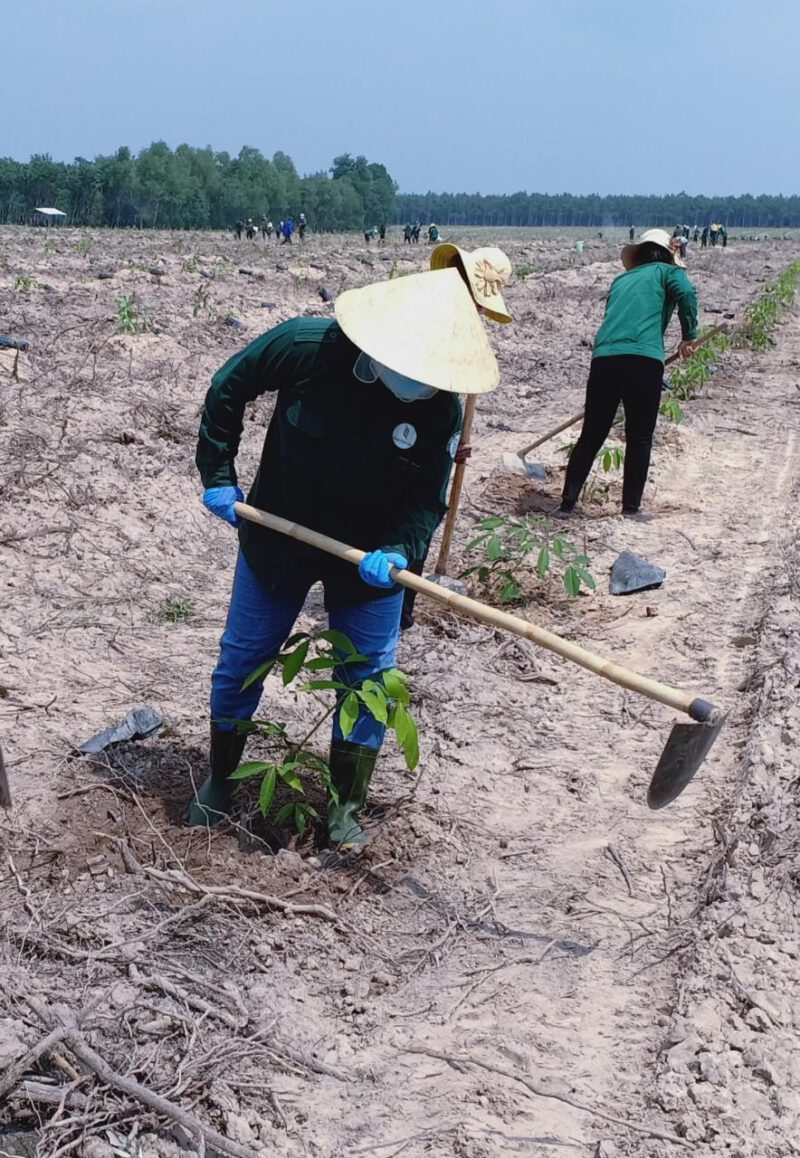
[342, 457]
[639, 306]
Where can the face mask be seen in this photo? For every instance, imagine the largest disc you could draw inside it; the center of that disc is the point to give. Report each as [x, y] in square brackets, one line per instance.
[404, 389]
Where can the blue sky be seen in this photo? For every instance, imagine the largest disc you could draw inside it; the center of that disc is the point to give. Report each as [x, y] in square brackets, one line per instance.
[580, 96]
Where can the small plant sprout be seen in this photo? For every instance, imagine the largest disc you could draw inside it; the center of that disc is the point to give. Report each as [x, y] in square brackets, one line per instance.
[322, 661]
[129, 320]
[523, 271]
[24, 282]
[175, 609]
[518, 549]
[83, 246]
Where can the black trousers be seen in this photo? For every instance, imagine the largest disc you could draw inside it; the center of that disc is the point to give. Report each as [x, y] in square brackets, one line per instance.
[636, 383]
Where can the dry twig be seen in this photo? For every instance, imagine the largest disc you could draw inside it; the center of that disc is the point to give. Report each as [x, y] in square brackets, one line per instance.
[234, 893]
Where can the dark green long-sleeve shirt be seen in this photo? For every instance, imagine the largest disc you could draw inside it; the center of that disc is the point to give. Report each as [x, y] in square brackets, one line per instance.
[342, 457]
[639, 306]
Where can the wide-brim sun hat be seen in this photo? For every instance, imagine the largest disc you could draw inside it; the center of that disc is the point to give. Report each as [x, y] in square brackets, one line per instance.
[659, 237]
[487, 269]
[424, 326]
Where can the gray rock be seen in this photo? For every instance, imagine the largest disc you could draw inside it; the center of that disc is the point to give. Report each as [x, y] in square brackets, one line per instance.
[633, 573]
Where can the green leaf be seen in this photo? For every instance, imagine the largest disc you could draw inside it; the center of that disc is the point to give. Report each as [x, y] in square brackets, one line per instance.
[606, 460]
[406, 731]
[374, 701]
[492, 523]
[324, 686]
[267, 790]
[300, 819]
[284, 812]
[543, 562]
[290, 777]
[251, 768]
[348, 713]
[477, 542]
[572, 582]
[510, 593]
[260, 673]
[320, 662]
[557, 546]
[395, 685]
[295, 639]
[293, 662]
[494, 548]
[339, 640]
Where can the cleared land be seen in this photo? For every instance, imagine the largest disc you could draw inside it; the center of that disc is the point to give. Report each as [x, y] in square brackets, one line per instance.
[521, 923]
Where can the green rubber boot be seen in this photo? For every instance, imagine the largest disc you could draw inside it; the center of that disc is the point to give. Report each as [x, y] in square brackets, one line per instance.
[213, 799]
[351, 767]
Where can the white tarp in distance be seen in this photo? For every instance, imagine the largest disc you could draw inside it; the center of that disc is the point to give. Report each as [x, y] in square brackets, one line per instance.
[51, 212]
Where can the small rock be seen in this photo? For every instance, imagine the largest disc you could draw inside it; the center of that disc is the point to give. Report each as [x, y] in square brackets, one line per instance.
[382, 980]
[353, 963]
[311, 963]
[757, 1020]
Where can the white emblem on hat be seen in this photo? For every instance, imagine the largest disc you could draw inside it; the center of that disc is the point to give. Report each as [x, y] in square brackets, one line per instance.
[404, 436]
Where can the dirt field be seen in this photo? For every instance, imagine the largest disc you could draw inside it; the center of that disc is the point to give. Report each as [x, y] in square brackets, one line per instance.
[526, 960]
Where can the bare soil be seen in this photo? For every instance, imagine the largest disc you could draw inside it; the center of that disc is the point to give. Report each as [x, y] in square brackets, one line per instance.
[526, 960]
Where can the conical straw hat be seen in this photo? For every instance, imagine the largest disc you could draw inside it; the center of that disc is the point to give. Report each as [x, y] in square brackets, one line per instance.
[659, 237]
[424, 326]
[487, 269]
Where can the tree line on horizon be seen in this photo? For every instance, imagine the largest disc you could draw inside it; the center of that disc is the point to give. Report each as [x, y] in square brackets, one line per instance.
[191, 188]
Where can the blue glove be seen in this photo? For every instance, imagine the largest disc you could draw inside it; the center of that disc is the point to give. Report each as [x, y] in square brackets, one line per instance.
[220, 500]
[374, 567]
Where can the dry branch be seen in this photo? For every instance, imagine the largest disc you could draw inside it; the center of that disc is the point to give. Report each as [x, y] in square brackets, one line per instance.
[126, 1085]
[234, 894]
[541, 1092]
[18, 1069]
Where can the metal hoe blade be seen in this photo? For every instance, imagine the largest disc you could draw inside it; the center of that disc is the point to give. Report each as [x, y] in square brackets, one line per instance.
[684, 752]
[519, 465]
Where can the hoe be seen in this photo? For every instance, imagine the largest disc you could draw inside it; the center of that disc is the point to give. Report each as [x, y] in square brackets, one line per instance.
[688, 744]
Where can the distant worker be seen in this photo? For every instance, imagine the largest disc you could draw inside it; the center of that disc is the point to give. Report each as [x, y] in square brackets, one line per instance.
[288, 230]
[704, 237]
[628, 363]
[370, 233]
[263, 226]
[279, 231]
[382, 232]
[237, 229]
[714, 233]
[631, 233]
[301, 226]
[433, 233]
[416, 231]
[407, 232]
[696, 234]
[723, 232]
[251, 230]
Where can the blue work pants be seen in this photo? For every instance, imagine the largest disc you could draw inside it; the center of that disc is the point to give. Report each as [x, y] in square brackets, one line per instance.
[259, 623]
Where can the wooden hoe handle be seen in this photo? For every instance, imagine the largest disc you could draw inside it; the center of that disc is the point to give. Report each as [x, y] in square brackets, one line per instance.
[455, 489]
[695, 706]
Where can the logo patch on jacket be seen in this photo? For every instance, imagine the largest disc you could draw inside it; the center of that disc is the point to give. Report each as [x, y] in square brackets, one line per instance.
[404, 436]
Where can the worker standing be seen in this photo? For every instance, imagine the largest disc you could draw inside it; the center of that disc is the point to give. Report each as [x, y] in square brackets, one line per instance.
[359, 447]
[628, 363]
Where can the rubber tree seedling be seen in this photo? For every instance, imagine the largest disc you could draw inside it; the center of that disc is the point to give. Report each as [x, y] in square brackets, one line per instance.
[518, 549]
[322, 660]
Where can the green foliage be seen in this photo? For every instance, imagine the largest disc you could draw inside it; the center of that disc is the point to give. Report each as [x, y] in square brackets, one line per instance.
[191, 263]
[321, 661]
[515, 550]
[762, 316]
[24, 282]
[175, 610]
[523, 271]
[129, 319]
[690, 375]
[671, 409]
[49, 247]
[83, 246]
[607, 459]
[202, 301]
